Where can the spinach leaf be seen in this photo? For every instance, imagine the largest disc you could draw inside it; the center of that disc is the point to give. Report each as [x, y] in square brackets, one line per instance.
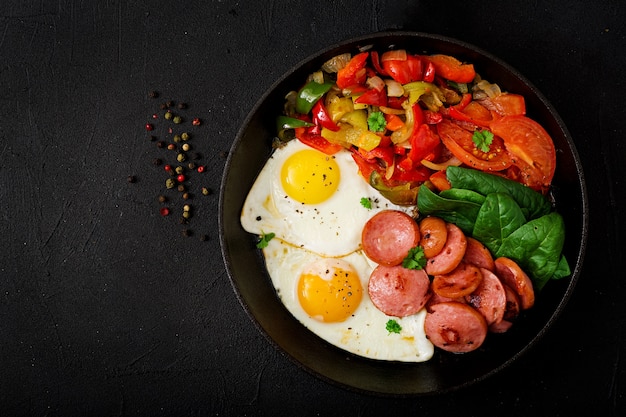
[463, 194]
[499, 216]
[460, 212]
[536, 247]
[485, 183]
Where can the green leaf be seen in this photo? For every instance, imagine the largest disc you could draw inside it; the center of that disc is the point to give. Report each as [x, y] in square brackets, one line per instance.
[366, 202]
[460, 212]
[499, 216]
[415, 259]
[264, 240]
[376, 121]
[536, 247]
[482, 140]
[393, 326]
[484, 183]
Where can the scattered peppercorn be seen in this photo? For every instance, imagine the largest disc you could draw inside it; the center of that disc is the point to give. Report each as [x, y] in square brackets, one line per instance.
[184, 136]
[167, 167]
[168, 115]
[191, 165]
[164, 211]
[186, 207]
[177, 119]
[182, 105]
[169, 183]
[201, 169]
[169, 103]
[181, 178]
[155, 116]
[177, 138]
[162, 199]
[180, 169]
[171, 146]
[153, 94]
[196, 122]
[186, 196]
[187, 215]
[181, 157]
[181, 188]
[206, 191]
[186, 147]
[149, 127]
[132, 179]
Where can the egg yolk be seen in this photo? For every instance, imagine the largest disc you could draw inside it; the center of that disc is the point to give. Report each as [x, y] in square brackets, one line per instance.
[330, 295]
[310, 176]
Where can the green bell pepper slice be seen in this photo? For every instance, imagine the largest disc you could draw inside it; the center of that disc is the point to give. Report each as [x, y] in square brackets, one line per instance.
[309, 94]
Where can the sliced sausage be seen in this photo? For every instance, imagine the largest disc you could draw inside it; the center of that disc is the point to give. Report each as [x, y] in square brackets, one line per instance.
[436, 299]
[477, 254]
[462, 281]
[512, 275]
[388, 236]
[501, 327]
[434, 235]
[489, 298]
[455, 327]
[451, 254]
[397, 291]
[513, 304]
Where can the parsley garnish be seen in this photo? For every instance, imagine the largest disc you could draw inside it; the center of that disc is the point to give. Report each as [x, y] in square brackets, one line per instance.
[366, 202]
[393, 326]
[265, 238]
[415, 259]
[376, 121]
[482, 139]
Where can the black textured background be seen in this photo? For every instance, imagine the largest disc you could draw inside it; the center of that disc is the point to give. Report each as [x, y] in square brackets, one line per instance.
[107, 309]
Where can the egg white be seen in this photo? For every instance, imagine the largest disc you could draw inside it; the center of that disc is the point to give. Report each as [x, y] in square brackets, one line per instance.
[364, 333]
[330, 228]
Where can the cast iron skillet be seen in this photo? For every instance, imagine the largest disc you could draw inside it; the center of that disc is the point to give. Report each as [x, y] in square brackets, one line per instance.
[444, 372]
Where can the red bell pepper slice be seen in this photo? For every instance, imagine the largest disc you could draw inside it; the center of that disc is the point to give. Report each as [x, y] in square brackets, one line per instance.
[322, 118]
[376, 63]
[354, 72]
[373, 97]
[429, 72]
[423, 142]
[452, 69]
[316, 141]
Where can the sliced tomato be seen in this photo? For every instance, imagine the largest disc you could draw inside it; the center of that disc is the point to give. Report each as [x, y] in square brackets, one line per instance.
[316, 141]
[452, 69]
[506, 104]
[354, 72]
[459, 142]
[531, 147]
[477, 111]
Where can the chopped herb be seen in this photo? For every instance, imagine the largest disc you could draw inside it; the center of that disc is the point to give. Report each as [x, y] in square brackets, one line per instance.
[265, 238]
[366, 202]
[376, 121]
[482, 139]
[393, 326]
[415, 259]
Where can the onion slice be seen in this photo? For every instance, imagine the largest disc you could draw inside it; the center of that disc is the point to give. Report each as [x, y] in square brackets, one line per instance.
[454, 161]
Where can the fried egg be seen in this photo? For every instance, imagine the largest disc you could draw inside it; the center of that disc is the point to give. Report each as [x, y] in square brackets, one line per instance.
[329, 297]
[312, 200]
[312, 203]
